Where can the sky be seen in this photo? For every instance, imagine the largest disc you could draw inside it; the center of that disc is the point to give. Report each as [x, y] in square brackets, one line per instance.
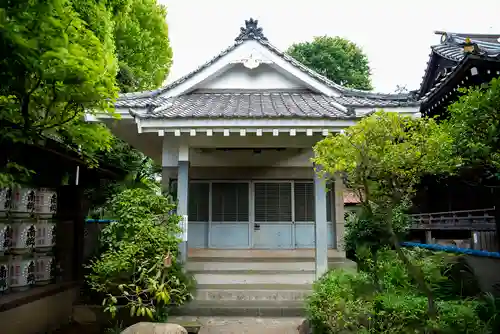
[395, 35]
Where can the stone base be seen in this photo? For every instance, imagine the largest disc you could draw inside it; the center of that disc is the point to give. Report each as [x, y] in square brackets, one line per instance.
[20, 288]
[20, 251]
[41, 283]
[154, 328]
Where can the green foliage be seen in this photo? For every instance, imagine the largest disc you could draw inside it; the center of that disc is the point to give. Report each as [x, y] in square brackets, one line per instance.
[474, 123]
[131, 272]
[61, 59]
[53, 69]
[142, 173]
[136, 32]
[352, 302]
[364, 229]
[142, 45]
[336, 58]
[385, 155]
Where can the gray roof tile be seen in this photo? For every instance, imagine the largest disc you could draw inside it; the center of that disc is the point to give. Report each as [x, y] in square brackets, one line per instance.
[453, 49]
[376, 102]
[248, 105]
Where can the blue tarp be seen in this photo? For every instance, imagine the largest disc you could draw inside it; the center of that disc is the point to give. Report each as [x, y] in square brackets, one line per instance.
[452, 249]
[103, 221]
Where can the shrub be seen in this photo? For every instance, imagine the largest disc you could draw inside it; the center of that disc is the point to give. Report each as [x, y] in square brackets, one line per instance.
[388, 301]
[364, 229]
[137, 269]
[335, 305]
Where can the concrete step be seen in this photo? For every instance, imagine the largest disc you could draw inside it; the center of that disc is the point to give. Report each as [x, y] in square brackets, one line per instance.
[254, 277]
[261, 264]
[204, 253]
[253, 292]
[247, 308]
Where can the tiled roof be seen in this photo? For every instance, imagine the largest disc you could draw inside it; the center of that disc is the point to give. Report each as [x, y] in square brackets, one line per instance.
[350, 97]
[376, 100]
[351, 198]
[452, 49]
[248, 105]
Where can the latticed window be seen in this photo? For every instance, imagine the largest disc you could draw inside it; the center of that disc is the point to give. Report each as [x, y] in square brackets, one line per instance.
[303, 193]
[198, 209]
[273, 202]
[230, 202]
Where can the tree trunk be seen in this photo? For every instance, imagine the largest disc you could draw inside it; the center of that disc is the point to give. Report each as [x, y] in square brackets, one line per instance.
[416, 273]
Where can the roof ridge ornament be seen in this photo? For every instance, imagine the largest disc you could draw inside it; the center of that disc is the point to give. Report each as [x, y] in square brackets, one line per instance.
[251, 30]
[470, 47]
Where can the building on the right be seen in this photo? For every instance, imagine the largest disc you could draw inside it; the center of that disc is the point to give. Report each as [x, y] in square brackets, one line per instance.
[460, 60]
[457, 210]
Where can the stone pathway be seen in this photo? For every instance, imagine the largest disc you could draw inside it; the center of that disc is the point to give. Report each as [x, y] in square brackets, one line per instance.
[244, 325]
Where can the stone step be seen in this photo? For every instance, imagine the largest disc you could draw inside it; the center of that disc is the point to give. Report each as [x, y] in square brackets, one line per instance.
[255, 292]
[293, 254]
[254, 277]
[247, 308]
[258, 264]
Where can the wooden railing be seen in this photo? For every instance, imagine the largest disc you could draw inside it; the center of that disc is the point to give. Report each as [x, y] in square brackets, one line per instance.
[473, 220]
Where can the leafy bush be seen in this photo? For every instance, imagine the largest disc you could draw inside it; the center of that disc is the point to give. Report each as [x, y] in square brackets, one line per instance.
[364, 229]
[388, 301]
[137, 268]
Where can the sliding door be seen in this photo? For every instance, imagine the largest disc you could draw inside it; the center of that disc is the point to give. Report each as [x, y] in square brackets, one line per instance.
[230, 223]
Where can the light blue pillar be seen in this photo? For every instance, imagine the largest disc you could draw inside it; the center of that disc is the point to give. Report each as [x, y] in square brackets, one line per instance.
[182, 203]
[321, 226]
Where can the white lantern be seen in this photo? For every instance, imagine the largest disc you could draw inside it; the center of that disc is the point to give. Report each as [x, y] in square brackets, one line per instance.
[22, 273]
[45, 235]
[44, 269]
[5, 201]
[23, 202]
[4, 277]
[46, 203]
[5, 236]
[23, 236]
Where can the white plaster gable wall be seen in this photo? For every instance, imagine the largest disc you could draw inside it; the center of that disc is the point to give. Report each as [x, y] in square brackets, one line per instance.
[255, 50]
[261, 77]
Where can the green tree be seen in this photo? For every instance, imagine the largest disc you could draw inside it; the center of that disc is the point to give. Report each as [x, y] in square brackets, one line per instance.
[52, 69]
[62, 58]
[142, 46]
[384, 156]
[137, 32]
[138, 269]
[336, 58]
[142, 172]
[474, 123]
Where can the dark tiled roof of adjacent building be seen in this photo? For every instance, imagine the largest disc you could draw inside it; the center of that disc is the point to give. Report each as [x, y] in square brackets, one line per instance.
[452, 49]
[368, 100]
[306, 104]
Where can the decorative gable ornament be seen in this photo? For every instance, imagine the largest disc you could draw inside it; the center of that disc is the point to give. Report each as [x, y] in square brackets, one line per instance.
[253, 60]
[251, 30]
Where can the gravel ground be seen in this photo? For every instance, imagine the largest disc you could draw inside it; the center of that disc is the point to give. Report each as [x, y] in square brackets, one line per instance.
[243, 325]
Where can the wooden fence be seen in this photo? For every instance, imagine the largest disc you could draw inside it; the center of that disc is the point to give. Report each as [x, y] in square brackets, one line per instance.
[481, 224]
[472, 220]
